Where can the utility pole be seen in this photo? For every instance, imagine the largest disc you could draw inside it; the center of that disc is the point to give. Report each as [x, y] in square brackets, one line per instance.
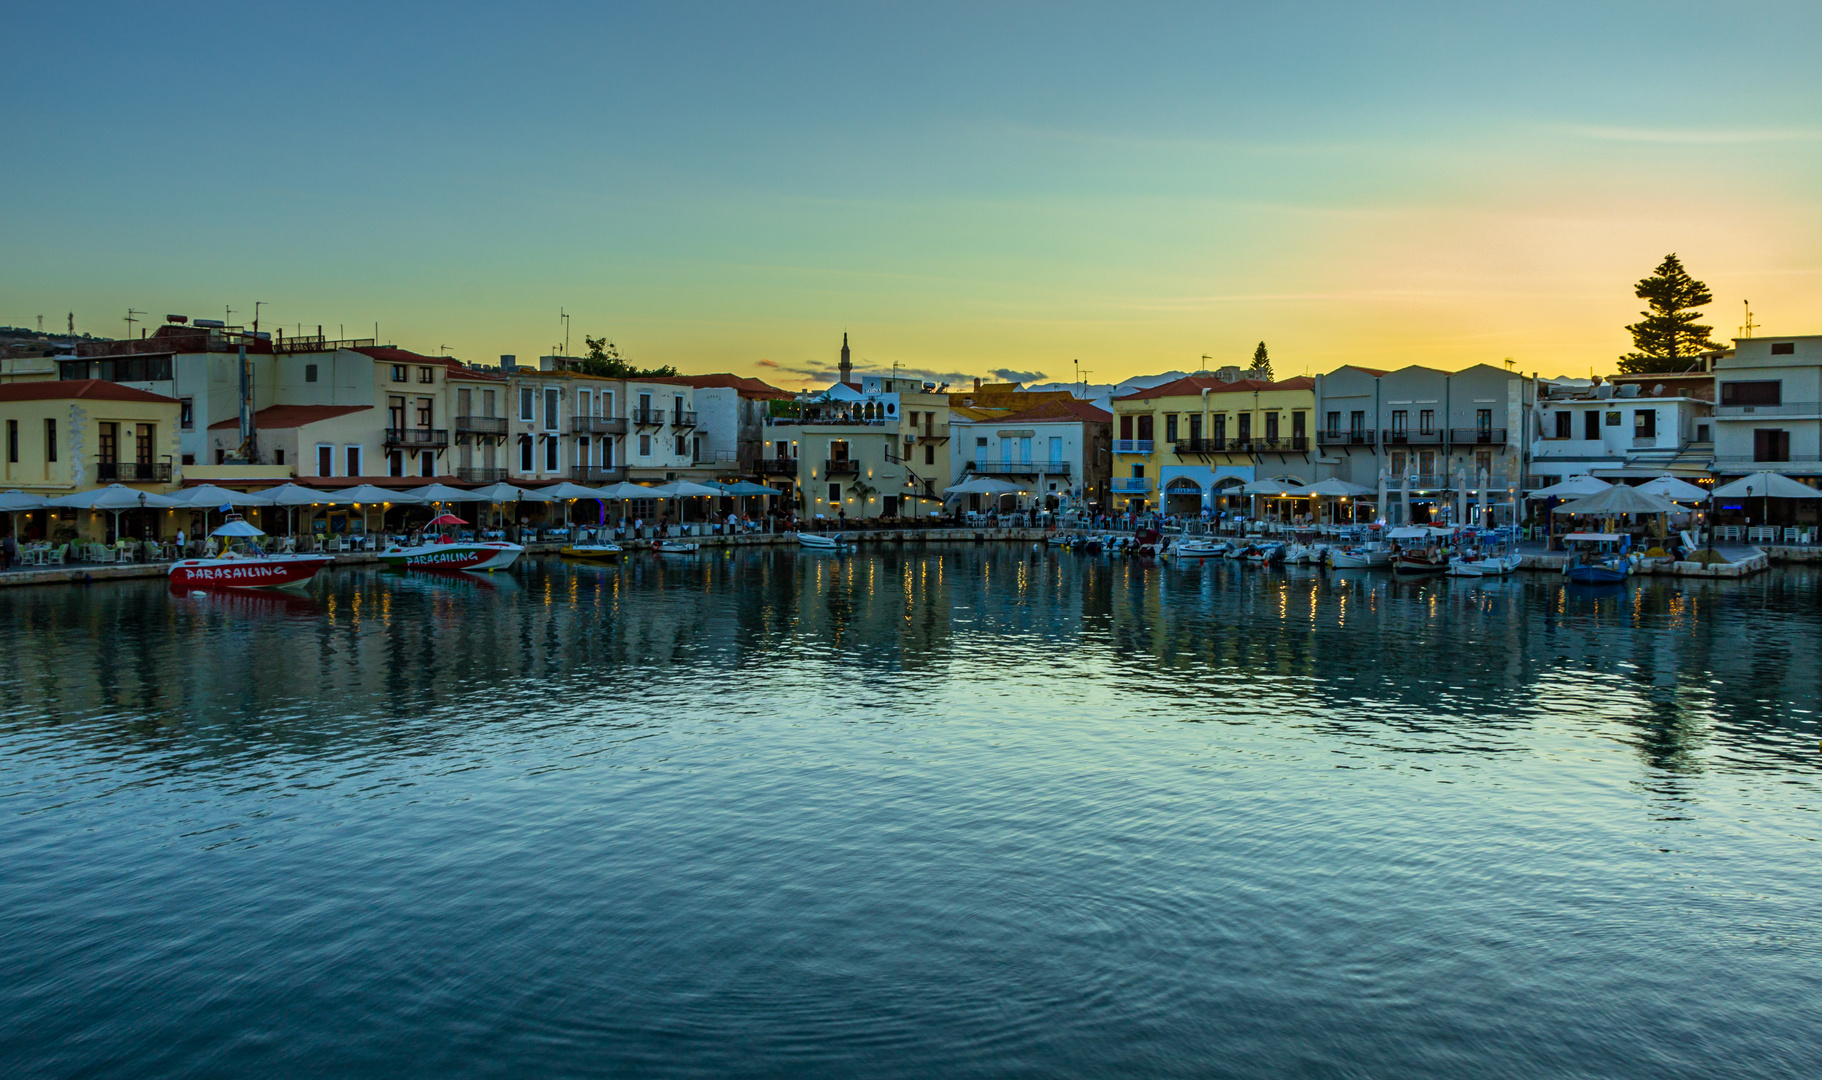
[563, 315]
[131, 319]
[1749, 326]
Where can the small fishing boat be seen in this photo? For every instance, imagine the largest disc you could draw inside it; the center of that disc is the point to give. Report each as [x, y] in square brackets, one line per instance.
[448, 553]
[605, 551]
[822, 541]
[1199, 547]
[1416, 551]
[1264, 554]
[245, 569]
[674, 547]
[1596, 559]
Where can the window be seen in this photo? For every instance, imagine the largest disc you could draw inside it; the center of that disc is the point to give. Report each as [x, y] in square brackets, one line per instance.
[1739, 394]
[1246, 427]
[108, 448]
[1483, 465]
[607, 453]
[1170, 428]
[696, 448]
[395, 463]
[395, 412]
[278, 457]
[834, 493]
[527, 405]
[1271, 426]
[645, 446]
[980, 443]
[464, 402]
[1125, 429]
[1145, 428]
[1483, 420]
[427, 464]
[1357, 421]
[325, 461]
[309, 372]
[1770, 444]
[525, 453]
[1398, 463]
[550, 408]
[1297, 425]
[550, 454]
[913, 415]
[1703, 433]
[1426, 462]
[1138, 472]
[1644, 423]
[398, 373]
[582, 451]
[425, 376]
[1613, 418]
[190, 459]
[143, 438]
[607, 403]
[677, 410]
[1783, 348]
[352, 456]
[426, 410]
[1401, 421]
[1334, 423]
[186, 413]
[1591, 425]
[1220, 434]
[487, 403]
[50, 440]
[1056, 449]
[1426, 421]
[929, 454]
[1565, 425]
[12, 442]
[681, 449]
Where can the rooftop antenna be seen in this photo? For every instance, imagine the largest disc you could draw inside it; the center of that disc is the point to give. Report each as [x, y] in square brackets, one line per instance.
[565, 317]
[1750, 326]
[229, 317]
[444, 349]
[1081, 374]
[1510, 363]
[72, 324]
[41, 324]
[1205, 359]
[256, 307]
[131, 312]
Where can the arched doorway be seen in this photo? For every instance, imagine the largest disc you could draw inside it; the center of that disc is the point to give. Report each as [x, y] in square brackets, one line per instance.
[1183, 497]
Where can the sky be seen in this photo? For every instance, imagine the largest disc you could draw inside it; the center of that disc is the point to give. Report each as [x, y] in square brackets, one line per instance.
[1041, 191]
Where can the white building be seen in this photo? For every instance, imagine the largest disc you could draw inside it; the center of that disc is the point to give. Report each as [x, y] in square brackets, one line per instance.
[1768, 407]
[1633, 426]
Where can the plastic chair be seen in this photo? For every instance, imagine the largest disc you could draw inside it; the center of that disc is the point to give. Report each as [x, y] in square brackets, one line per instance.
[57, 554]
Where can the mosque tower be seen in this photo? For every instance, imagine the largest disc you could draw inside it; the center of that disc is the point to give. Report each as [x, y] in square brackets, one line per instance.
[846, 367]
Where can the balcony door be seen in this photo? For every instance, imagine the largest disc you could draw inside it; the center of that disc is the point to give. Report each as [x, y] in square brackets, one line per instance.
[395, 412]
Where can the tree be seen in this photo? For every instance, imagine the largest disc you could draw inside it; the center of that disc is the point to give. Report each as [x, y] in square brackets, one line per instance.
[1667, 337]
[1262, 362]
[604, 359]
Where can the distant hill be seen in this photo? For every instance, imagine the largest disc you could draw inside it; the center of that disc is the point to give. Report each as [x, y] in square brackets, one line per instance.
[1102, 394]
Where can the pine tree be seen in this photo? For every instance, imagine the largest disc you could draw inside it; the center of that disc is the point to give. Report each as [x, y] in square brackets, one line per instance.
[1667, 337]
[604, 359]
[1262, 363]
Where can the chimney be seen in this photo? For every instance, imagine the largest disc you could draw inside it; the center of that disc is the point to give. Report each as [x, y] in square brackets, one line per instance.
[846, 367]
[977, 382]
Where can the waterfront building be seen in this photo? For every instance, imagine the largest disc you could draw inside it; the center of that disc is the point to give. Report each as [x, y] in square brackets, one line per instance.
[1057, 444]
[876, 447]
[64, 436]
[1442, 436]
[1180, 445]
[1768, 407]
[1636, 427]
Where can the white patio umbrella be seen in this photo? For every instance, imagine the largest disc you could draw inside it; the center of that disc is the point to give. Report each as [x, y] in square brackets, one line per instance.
[1669, 487]
[1336, 488]
[501, 494]
[295, 495]
[15, 502]
[682, 489]
[983, 485]
[1620, 499]
[567, 493]
[116, 498]
[207, 497]
[365, 495]
[1766, 486]
[441, 493]
[1574, 487]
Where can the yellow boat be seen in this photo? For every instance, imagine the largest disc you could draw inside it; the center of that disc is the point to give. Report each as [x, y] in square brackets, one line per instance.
[596, 552]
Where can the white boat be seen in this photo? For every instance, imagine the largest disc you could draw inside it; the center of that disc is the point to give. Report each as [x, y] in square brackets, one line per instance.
[1360, 556]
[1312, 554]
[246, 569]
[822, 541]
[1494, 565]
[674, 547]
[454, 555]
[1199, 548]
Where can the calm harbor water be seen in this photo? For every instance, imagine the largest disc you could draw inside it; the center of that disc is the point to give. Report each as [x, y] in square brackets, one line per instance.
[975, 812]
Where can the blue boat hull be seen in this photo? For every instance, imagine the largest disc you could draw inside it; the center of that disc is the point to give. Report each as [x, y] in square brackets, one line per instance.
[1595, 575]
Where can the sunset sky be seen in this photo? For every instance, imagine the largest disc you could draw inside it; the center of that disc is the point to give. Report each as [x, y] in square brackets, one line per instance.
[966, 190]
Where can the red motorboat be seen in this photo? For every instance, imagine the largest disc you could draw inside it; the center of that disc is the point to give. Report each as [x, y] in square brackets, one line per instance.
[245, 570]
[248, 571]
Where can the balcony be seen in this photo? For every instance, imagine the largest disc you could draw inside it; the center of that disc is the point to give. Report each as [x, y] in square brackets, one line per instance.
[480, 425]
[1132, 446]
[1477, 436]
[1296, 444]
[1186, 447]
[682, 419]
[843, 467]
[417, 438]
[597, 425]
[936, 433]
[481, 474]
[1345, 438]
[719, 458]
[1400, 437]
[134, 472]
[775, 467]
[597, 474]
[1021, 468]
[1754, 412]
[1131, 485]
[648, 418]
[1803, 466]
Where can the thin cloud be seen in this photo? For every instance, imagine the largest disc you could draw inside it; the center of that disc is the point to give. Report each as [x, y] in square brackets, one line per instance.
[1693, 136]
[768, 363]
[1009, 375]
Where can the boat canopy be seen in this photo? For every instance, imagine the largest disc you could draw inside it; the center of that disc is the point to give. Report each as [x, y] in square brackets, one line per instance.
[1411, 532]
[1592, 536]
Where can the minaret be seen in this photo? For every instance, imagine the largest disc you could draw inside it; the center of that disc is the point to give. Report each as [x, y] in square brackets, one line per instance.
[846, 367]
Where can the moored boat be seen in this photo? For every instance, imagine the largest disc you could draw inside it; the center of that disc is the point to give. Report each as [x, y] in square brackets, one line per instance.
[448, 553]
[245, 569]
[821, 541]
[674, 547]
[1596, 559]
[1416, 550]
[602, 552]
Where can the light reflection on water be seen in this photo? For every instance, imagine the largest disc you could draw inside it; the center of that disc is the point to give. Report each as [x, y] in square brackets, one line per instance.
[981, 811]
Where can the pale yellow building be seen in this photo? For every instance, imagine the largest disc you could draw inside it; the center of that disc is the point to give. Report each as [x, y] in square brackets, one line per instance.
[1179, 446]
[65, 436]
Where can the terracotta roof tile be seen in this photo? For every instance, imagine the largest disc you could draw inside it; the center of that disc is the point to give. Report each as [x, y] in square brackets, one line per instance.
[281, 417]
[86, 389]
[1193, 385]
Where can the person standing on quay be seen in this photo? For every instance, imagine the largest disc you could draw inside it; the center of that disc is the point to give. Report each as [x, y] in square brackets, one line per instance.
[9, 552]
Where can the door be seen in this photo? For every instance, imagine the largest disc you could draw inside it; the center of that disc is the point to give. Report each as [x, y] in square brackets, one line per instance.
[1024, 449]
[1056, 442]
[395, 412]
